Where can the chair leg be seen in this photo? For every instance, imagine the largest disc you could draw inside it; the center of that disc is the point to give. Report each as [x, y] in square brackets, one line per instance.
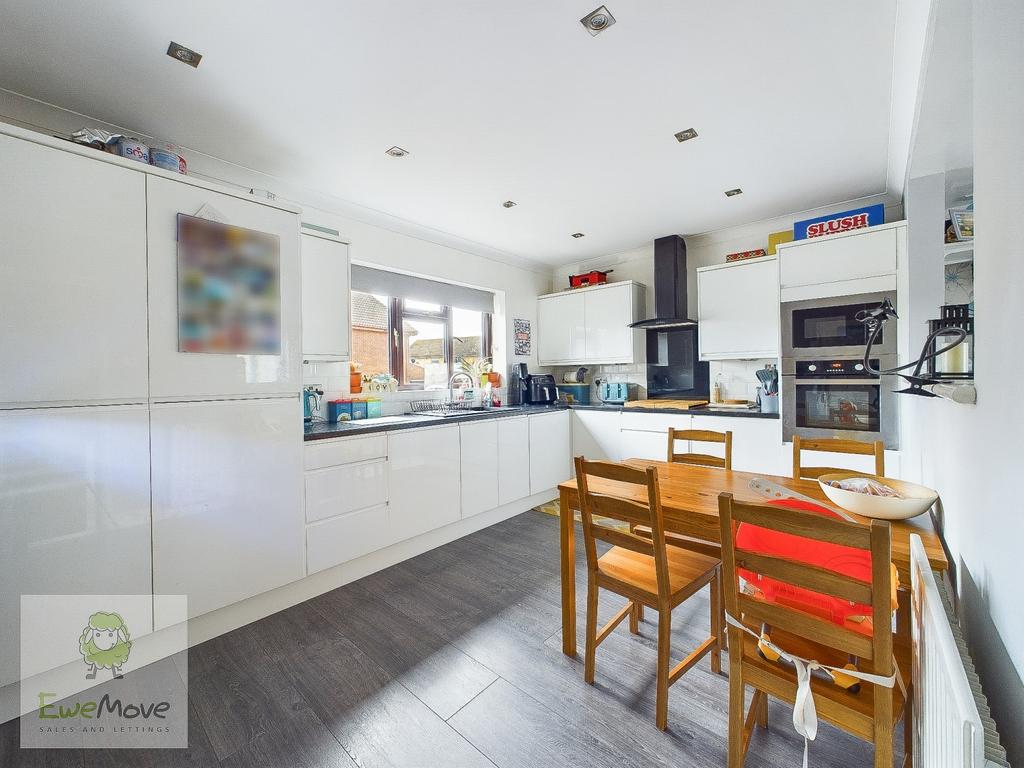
[634, 617]
[590, 650]
[883, 727]
[762, 713]
[716, 622]
[664, 660]
[735, 711]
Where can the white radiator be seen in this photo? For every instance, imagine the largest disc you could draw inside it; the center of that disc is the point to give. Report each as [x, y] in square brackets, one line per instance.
[948, 729]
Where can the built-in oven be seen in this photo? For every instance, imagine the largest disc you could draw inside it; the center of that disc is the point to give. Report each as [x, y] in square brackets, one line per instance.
[838, 398]
[821, 328]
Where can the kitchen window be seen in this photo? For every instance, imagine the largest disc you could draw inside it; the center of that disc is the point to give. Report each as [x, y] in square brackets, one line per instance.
[417, 342]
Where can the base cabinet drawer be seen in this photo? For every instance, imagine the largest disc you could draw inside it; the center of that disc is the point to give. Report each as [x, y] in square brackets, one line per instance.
[337, 490]
[340, 539]
[329, 453]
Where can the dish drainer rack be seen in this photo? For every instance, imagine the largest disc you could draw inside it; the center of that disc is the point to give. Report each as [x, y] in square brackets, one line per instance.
[440, 406]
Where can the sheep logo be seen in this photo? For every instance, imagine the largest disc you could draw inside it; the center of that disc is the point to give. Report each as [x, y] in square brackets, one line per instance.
[105, 644]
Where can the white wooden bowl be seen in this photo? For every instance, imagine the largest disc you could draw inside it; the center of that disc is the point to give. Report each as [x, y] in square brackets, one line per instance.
[915, 499]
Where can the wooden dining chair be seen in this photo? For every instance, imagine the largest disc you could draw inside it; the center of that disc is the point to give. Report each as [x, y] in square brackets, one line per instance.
[643, 570]
[870, 713]
[700, 436]
[856, 447]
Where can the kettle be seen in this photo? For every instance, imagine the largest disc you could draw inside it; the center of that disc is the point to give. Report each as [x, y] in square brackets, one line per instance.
[311, 397]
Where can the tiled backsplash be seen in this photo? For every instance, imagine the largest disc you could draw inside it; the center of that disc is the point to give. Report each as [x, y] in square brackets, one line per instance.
[333, 379]
[737, 377]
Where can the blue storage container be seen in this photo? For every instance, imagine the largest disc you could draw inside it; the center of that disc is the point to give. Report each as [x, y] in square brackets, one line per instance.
[580, 392]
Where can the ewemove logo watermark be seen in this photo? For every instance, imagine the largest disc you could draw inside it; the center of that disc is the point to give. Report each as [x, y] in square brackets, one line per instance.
[105, 644]
[96, 674]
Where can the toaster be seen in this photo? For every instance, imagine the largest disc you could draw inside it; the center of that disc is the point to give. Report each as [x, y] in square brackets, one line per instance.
[617, 392]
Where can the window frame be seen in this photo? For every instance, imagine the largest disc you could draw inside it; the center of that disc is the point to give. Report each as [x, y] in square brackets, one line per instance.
[398, 312]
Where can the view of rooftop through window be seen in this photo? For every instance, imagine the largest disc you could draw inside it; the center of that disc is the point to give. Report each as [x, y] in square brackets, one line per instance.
[419, 343]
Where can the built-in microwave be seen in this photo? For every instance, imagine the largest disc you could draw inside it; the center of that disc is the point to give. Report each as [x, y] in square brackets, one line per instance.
[830, 328]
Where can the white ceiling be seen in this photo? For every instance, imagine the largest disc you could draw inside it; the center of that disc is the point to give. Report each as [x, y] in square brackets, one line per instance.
[494, 102]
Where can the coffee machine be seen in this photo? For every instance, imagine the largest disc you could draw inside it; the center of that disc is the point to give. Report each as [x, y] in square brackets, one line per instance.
[534, 388]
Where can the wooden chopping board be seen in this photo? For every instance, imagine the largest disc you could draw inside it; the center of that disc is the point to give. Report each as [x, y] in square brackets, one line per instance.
[679, 405]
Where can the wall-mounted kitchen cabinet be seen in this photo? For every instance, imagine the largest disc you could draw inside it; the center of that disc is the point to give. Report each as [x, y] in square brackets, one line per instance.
[591, 325]
[738, 310]
[326, 320]
[861, 261]
[72, 279]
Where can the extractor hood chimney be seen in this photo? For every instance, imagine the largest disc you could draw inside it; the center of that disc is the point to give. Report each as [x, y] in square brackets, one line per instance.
[669, 286]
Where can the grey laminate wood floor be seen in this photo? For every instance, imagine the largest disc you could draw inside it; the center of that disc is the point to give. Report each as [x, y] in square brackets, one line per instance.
[451, 659]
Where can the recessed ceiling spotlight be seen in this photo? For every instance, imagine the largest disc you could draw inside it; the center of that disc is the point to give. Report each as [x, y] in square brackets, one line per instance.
[733, 192]
[686, 135]
[396, 152]
[597, 21]
[183, 54]
[509, 204]
[577, 235]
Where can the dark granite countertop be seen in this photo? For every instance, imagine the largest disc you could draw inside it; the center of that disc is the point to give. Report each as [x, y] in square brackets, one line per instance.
[706, 410]
[322, 430]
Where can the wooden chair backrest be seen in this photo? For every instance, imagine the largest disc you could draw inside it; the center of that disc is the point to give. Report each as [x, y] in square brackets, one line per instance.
[876, 650]
[877, 449]
[597, 499]
[700, 436]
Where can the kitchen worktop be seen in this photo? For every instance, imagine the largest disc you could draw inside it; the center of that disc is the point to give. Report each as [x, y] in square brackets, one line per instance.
[323, 430]
[704, 410]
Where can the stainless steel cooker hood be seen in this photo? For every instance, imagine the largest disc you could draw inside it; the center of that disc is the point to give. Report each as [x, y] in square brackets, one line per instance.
[669, 286]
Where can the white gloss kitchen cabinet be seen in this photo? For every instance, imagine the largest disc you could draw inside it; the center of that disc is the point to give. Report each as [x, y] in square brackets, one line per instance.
[346, 499]
[74, 510]
[479, 464]
[227, 499]
[645, 435]
[755, 442]
[72, 279]
[596, 435]
[591, 325]
[326, 320]
[513, 459]
[423, 480]
[550, 449]
[738, 310]
[181, 375]
[861, 261]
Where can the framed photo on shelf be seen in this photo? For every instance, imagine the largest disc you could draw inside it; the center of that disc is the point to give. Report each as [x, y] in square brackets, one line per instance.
[963, 223]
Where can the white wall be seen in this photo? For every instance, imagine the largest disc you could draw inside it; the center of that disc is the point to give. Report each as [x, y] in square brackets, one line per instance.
[375, 238]
[972, 454]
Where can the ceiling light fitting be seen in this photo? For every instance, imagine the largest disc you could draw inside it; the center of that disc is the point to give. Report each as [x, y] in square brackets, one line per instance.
[183, 54]
[597, 21]
[396, 152]
[577, 235]
[733, 192]
[509, 204]
[686, 135]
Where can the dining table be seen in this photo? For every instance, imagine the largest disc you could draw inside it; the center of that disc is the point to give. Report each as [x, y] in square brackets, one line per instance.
[689, 502]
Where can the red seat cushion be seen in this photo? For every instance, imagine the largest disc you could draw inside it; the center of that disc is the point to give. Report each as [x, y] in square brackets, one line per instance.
[848, 561]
